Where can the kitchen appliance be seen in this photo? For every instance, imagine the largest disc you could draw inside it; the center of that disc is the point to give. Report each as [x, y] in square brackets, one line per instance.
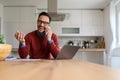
[71, 43]
[52, 10]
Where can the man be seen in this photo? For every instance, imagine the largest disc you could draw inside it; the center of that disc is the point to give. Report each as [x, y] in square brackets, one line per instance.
[40, 43]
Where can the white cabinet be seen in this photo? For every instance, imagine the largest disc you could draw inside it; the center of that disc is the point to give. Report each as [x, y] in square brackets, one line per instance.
[91, 55]
[27, 14]
[73, 18]
[18, 18]
[92, 23]
[11, 14]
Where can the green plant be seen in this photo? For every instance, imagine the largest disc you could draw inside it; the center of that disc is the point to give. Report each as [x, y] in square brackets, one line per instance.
[2, 40]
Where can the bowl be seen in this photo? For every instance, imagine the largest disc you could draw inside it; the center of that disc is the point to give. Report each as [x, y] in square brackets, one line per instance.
[5, 50]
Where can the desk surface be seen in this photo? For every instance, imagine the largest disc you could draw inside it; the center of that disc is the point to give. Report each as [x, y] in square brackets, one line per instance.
[55, 70]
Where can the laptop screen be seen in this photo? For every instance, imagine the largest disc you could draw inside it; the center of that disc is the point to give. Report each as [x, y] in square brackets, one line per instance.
[67, 52]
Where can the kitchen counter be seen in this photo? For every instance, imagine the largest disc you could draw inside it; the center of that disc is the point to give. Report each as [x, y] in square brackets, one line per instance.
[14, 49]
[100, 51]
[34, 69]
[92, 49]
[86, 49]
[96, 50]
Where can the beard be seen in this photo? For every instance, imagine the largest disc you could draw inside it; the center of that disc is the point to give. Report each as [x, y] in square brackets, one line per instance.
[41, 29]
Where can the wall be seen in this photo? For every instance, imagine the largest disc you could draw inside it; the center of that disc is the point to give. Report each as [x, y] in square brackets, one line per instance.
[1, 18]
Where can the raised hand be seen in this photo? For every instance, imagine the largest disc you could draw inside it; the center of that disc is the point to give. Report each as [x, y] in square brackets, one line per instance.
[20, 36]
[49, 32]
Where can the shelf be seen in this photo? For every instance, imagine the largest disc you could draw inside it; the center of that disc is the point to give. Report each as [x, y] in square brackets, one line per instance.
[92, 49]
[78, 35]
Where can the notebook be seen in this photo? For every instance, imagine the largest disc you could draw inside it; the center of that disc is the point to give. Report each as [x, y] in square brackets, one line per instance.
[67, 52]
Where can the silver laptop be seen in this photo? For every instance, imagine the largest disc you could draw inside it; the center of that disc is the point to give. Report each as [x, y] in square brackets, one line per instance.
[67, 52]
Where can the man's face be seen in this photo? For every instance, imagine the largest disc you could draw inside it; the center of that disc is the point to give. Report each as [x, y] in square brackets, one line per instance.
[42, 23]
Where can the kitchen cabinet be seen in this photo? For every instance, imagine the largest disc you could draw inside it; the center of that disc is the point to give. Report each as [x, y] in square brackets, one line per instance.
[18, 18]
[14, 14]
[19, 14]
[94, 55]
[89, 22]
[92, 23]
[73, 18]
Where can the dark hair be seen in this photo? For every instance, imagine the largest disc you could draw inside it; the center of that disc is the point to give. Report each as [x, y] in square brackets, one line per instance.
[45, 14]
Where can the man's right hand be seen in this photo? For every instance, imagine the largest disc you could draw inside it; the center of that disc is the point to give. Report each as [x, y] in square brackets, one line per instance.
[20, 37]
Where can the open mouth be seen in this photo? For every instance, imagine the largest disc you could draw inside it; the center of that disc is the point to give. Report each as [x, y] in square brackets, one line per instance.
[41, 29]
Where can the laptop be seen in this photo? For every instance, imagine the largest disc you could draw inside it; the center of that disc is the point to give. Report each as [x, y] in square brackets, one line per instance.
[67, 52]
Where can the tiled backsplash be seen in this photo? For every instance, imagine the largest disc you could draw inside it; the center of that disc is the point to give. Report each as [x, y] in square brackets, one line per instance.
[76, 40]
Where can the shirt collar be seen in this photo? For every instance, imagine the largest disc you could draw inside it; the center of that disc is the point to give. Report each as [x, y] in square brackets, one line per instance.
[41, 35]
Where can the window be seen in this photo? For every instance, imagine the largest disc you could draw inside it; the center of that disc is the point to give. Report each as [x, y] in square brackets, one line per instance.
[118, 21]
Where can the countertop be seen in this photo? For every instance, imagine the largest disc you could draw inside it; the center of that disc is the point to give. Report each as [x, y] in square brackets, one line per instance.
[92, 49]
[55, 70]
[81, 49]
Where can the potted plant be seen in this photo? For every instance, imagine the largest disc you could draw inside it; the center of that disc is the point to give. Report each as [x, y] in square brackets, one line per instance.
[5, 49]
[2, 40]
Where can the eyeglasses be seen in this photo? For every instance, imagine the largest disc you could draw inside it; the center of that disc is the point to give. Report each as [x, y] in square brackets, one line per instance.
[44, 22]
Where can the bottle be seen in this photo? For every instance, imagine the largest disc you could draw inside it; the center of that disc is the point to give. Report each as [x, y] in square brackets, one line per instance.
[102, 43]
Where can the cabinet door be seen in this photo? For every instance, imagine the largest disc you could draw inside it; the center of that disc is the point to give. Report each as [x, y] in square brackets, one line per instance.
[72, 18]
[27, 19]
[27, 14]
[18, 18]
[11, 14]
[92, 22]
[95, 57]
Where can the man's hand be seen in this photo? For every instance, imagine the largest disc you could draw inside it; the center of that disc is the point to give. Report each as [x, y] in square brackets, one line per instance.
[20, 37]
[49, 32]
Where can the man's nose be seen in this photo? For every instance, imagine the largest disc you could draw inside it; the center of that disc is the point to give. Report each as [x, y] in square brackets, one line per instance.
[42, 24]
